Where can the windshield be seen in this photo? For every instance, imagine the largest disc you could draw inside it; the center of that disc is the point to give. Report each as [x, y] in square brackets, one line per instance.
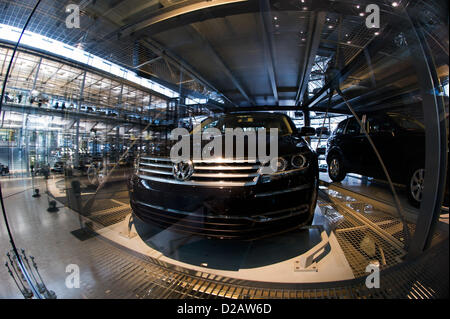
[248, 123]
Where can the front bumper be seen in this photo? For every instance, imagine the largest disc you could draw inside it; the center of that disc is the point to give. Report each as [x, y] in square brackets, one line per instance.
[246, 212]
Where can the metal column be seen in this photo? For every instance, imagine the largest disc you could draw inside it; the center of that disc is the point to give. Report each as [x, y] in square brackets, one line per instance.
[435, 140]
[27, 144]
[77, 131]
[307, 122]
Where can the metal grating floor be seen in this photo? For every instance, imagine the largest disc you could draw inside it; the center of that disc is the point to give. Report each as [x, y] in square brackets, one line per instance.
[110, 216]
[127, 274]
[364, 233]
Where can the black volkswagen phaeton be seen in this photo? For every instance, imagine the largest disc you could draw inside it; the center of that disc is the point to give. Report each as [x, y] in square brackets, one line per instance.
[230, 197]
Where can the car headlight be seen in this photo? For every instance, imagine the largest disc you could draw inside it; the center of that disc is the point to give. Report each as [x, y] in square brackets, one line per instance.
[278, 164]
[298, 161]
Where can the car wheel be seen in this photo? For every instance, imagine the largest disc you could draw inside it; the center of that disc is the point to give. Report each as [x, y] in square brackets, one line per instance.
[336, 168]
[415, 186]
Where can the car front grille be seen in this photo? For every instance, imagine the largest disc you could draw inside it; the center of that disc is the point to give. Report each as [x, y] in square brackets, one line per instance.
[215, 172]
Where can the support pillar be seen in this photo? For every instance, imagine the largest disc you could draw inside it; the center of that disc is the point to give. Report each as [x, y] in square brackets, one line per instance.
[77, 130]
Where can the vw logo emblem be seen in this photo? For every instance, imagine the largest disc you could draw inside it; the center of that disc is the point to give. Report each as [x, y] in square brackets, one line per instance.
[183, 170]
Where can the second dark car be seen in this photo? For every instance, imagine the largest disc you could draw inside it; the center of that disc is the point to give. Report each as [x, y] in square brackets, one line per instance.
[399, 139]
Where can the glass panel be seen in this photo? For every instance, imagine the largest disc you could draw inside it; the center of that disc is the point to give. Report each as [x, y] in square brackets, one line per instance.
[91, 189]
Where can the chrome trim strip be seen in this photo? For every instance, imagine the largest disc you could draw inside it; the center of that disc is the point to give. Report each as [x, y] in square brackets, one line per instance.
[197, 183]
[224, 175]
[226, 168]
[224, 160]
[294, 189]
[156, 159]
[156, 165]
[155, 171]
[212, 160]
[255, 218]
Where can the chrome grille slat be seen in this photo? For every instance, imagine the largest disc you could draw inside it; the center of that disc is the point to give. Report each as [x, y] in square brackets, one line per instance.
[211, 172]
[157, 165]
[156, 159]
[154, 171]
[223, 175]
[226, 168]
[224, 161]
[189, 182]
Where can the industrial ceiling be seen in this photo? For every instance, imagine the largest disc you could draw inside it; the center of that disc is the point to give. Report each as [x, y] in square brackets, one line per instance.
[255, 54]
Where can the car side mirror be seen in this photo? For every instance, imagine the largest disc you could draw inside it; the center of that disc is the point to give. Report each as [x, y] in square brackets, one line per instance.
[307, 131]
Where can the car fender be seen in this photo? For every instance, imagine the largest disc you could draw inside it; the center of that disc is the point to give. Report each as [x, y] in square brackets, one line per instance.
[334, 150]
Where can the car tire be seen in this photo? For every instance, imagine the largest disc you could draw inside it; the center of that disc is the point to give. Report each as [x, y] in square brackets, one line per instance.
[415, 185]
[336, 169]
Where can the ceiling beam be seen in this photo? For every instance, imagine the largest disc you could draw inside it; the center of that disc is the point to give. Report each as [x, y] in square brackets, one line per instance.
[73, 79]
[53, 74]
[173, 12]
[192, 11]
[142, 9]
[160, 50]
[221, 63]
[268, 46]
[372, 47]
[32, 70]
[93, 83]
[148, 62]
[314, 31]
[114, 4]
